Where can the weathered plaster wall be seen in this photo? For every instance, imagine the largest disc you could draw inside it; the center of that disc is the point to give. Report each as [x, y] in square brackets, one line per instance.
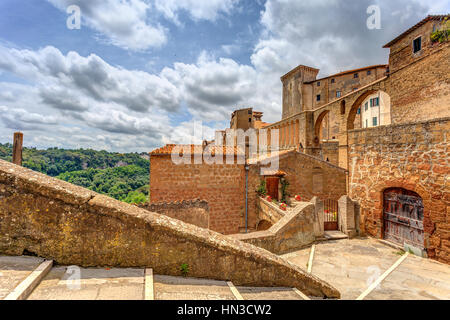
[72, 225]
[414, 157]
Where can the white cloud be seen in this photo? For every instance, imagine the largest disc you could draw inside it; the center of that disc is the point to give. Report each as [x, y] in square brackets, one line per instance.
[124, 23]
[197, 9]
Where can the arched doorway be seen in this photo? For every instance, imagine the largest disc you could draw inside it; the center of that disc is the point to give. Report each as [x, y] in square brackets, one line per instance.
[264, 225]
[403, 214]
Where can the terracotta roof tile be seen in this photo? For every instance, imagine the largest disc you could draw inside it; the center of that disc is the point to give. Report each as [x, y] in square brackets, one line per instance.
[167, 150]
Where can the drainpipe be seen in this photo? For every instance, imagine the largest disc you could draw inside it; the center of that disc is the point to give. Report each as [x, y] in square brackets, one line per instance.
[247, 169]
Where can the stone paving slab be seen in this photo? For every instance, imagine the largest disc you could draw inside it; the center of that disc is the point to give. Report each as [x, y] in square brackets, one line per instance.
[268, 293]
[416, 279]
[350, 265]
[13, 270]
[177, 288]
[95, 284]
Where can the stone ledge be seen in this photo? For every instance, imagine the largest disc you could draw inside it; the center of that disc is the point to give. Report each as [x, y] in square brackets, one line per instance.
[44, 185]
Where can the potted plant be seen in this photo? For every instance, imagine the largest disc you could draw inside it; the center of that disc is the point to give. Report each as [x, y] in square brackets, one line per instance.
[298, 198]
[269, 198]
[283, 206]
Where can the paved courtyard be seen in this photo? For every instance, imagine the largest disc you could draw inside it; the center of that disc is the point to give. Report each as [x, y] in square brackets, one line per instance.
[353, 265]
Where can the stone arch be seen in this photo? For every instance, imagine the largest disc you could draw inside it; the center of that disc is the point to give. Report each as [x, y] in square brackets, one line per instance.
[376, 200]
[264, 225]
[318, 125]
[354, 109]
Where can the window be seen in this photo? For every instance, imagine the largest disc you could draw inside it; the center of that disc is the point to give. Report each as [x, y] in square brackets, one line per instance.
[366, 107]
[375, 102]
[417, 44]
[318, 84]
[318, 97]
[359, 111]
[369, 72]
[367, 123]
[356, 75]
[375, 121]
[333, 80]
[338, 94]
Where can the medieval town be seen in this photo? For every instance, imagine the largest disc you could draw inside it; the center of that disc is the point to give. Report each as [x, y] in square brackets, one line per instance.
[345, 197]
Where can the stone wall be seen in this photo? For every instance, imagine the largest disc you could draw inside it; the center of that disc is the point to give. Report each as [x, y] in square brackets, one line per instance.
[292, 232]
[420, 91]
[308, 177]
[222, 186]
[74, 226]
[268, 211]
[414, 157]
[194, 212]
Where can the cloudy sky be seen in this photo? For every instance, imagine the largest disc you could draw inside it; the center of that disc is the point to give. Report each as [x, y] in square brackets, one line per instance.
[139, 73]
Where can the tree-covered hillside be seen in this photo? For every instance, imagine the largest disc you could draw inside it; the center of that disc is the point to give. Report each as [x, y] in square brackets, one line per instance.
[122, 176]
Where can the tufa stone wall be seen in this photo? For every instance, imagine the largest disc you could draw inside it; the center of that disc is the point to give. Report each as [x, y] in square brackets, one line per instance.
[74, 226]
[222, 186]
[194, 212]
[293, 231]
[414, 157]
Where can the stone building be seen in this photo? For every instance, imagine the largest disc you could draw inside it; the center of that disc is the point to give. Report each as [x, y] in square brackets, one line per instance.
[378, 134]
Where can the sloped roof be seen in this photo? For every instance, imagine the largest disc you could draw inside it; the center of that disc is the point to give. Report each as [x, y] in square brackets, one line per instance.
[350, 71]
[418, 25]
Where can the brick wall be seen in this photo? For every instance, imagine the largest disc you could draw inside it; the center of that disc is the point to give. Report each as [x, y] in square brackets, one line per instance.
[414, 157]
[421, 91]
[222, 186]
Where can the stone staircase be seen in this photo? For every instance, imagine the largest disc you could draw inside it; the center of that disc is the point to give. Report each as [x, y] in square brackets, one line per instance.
[29, 278]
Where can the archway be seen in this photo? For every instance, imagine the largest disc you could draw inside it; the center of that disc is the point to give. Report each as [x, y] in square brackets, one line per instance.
[319, 126]
[403, 217]
[264, 225]
[371, 109]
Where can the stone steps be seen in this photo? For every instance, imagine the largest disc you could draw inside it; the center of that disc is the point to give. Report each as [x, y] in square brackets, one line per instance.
[73, 283]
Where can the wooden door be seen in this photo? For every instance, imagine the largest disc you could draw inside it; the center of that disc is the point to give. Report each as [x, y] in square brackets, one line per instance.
[272, 184]
[403, 217]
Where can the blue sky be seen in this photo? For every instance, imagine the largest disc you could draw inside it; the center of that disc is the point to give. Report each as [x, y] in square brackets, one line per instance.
[139, 72]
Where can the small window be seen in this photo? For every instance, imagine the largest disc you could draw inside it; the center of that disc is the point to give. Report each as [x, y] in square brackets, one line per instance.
[356, 75]
[369, 72]
[375, 102]
[318, 84]
[359, 111]
[333, 80]
[367, 123]
[375, 121]
[417, 44]
[338, 94]
[318, 97]
[366, 107]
